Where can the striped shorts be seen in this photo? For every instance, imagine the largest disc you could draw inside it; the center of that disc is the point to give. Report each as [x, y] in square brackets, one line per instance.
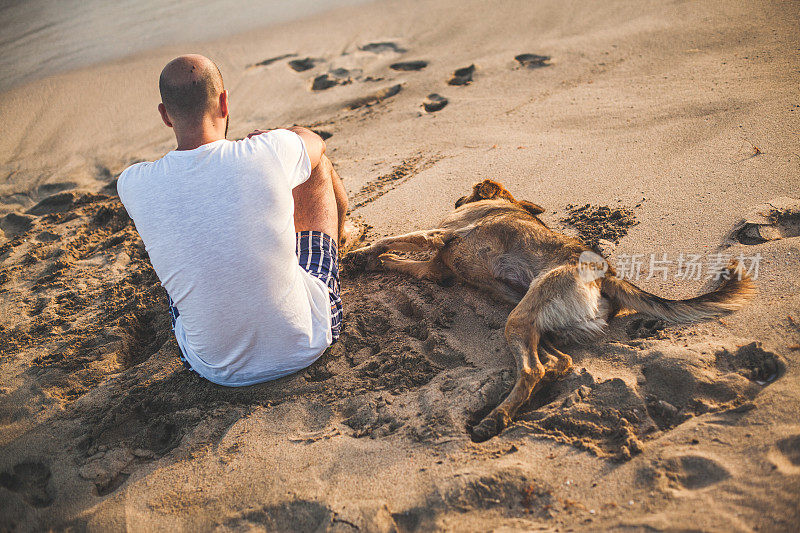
[318, 255]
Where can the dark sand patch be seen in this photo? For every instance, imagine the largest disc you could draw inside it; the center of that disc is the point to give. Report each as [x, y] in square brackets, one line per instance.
[695, 472]
[56, 203]
[595, 223]
[289, 516]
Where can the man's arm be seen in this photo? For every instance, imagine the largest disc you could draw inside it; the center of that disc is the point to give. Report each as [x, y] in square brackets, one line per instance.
[315, 146]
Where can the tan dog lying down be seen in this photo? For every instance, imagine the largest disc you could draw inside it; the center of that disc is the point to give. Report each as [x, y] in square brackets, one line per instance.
[497, 243]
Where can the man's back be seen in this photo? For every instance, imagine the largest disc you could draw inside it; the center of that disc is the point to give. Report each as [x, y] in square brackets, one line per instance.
[217, 224]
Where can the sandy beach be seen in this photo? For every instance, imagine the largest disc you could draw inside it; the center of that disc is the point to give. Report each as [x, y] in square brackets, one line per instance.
[652, 129]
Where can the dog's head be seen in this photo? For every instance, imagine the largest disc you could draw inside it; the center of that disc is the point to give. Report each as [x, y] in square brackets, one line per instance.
[491, 190]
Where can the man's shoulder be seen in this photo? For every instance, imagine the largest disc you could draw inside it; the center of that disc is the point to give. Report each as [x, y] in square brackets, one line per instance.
[131, 175]
[136, 169]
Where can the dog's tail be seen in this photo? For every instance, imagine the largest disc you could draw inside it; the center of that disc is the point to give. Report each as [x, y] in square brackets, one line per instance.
[730, 296]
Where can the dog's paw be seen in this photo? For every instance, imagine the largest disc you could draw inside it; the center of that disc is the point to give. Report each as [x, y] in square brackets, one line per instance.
[489, 427]
[388, 259]
[556, 370]
[360, 260]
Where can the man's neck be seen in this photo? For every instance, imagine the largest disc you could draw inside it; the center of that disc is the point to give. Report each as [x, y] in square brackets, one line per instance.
[190, 142]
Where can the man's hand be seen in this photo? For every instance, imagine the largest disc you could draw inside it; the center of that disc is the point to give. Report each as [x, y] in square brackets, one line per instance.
[314, 144]
[256, 132]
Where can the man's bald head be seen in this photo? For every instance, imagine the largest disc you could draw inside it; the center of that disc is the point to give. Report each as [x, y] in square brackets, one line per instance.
[190, 86]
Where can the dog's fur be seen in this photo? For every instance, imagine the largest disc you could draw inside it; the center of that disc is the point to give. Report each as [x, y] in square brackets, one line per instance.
[497, 243]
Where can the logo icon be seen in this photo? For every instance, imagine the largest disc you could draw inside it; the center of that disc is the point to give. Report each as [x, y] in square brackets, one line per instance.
[591, 266]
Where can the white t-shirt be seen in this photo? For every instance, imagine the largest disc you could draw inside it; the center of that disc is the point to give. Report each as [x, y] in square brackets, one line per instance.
[218, 224]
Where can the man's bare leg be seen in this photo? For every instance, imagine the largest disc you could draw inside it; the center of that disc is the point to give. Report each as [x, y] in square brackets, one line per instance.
[345, 227]
[320, 204]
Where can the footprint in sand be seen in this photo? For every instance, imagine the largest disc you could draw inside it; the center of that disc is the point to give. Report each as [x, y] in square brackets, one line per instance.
[532, 60]
[790, 448]
[462, 76]
[48, 236]
[644, 328]
[695, 472]
[271, 60]
[434, 102]
[409, 65]
[142, 337]
[503, 490]
[375, 97]
[777, 219]
[786, 455]
[337, 76]
[382, 47]
[301, 65]
[14, 224]
[108, 470]
[56, 203]
[296, 515]
[31, 480]
[753, 362]
[47, 189]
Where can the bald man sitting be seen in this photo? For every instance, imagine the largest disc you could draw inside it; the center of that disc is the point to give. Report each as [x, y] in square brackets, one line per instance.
[242, 234]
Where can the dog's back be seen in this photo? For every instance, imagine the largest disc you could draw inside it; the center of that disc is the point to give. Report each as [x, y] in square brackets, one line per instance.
[502, 247]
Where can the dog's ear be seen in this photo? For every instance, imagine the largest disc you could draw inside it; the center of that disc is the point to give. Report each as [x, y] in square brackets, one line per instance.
[488, 189]
[531, 208]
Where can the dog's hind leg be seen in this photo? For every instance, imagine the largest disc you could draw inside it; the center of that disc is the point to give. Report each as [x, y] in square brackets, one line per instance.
[523, 339]
[523, 342]
[432, 269]
[523, 334]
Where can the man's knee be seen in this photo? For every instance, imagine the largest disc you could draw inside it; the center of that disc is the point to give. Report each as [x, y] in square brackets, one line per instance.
[324, 169]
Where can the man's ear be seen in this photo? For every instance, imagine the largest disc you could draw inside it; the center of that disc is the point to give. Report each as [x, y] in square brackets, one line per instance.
[532, 208]
[223, 103]
[488, 189]
[163, 111]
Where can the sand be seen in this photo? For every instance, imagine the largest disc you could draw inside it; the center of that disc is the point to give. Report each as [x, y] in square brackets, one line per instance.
[681, 117]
